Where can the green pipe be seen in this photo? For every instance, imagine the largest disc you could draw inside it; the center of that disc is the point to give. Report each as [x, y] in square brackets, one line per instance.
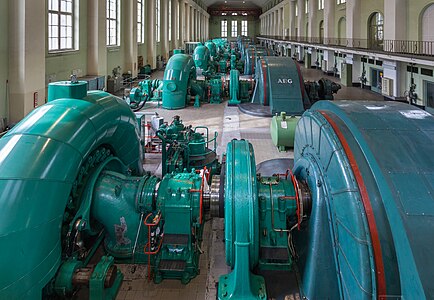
[40, 159]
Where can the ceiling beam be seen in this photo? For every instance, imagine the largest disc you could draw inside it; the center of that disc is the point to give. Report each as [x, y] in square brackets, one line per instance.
[219, 10]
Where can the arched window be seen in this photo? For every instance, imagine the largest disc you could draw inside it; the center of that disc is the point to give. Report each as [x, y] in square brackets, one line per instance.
[376, 31]
[427, 32]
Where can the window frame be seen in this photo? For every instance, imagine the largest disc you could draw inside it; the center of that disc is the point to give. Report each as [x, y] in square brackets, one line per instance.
[321, 4]
[244, 28]
[158, 20]
[141, 22]
[224, 28]
[178, 8]
[169, 25]
[116, 21]
[73, 39]
[234, 22]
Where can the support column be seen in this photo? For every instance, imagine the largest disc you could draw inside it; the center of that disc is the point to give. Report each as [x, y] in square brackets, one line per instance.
[312, 19]
[199, 25]
[187, 22]
[96, 38]
[270, 23]
[353, 18]
[206, 28]
[395, 28]
[301, 22]
[174, 23]
[192, 37]
[192, 25]
[293, 18]
[395, 20]
[130, 40]
[151, 44]
[329, 32]
[196, 25]
[277, 22]
[26, 56]
[274, 23]
[164, 30]
[267, 24]
[182, 17]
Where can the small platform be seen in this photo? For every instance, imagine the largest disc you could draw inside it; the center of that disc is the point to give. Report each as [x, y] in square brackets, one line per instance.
[255, 109]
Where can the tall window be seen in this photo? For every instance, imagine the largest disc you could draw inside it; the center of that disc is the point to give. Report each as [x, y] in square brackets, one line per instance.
[224, 28]
[320, 4]
[341, 1]
[113, 23]
[376, 30]
[157, 23]
[427, 35]
[177, 15]
[61, 25]
[170, 21]
[244, 27]
[296, 9]
[140, 21]
[306, 6]
[234, 29]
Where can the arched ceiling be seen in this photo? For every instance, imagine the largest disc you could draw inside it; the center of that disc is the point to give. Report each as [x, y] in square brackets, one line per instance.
[236, 3]
[240, 7]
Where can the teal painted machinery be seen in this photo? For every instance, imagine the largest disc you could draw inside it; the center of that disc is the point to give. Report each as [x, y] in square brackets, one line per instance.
[234, 88]
[201, 57]
[216, 90]
[146, 90]
[260, 213]
[145, 70]
[222, 44]
[223, 66]
[71, 181]
[280, 86]
[355, 210]
[239, 90]
[180, 84]
[322, 89]
[180, 71]
[212, 49]
[186, 148]
[252, 53]
[222, 59]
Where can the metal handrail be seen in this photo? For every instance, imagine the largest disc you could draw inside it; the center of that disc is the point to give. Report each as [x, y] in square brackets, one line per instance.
[205, 141]
[419, 48]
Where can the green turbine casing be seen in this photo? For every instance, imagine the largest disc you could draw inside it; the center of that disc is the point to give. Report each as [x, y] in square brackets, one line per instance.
[180, 70]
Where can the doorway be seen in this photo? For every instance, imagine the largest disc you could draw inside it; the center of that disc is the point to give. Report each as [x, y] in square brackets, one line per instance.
[429, 88]
[376, 78]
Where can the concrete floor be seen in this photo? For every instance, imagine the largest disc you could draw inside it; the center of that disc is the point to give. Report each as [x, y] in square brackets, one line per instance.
[229, 123]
